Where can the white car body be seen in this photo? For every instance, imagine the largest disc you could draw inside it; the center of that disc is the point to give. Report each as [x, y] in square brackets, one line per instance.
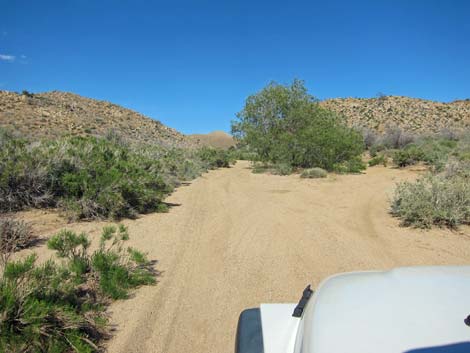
[406, 310]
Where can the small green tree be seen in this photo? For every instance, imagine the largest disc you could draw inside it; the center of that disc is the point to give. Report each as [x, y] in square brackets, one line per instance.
[285, 124]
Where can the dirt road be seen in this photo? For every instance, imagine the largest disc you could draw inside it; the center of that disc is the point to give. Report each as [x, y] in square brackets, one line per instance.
[235, 239]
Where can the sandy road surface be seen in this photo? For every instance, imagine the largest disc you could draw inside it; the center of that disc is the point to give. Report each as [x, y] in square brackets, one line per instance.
[238, 239]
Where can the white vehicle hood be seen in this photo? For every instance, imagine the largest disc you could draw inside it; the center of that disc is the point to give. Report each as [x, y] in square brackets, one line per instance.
[413, 310]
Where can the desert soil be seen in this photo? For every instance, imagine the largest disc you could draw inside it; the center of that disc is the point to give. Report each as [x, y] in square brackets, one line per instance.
[235, 239]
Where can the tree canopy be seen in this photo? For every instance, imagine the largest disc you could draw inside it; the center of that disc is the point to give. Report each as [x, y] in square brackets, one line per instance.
[285, 124]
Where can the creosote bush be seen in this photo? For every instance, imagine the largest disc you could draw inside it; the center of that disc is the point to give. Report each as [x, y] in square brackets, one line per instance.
[59, 307]
[314, 173]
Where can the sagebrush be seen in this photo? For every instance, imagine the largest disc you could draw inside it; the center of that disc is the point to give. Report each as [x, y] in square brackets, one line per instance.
[435, 199]
[14, 234]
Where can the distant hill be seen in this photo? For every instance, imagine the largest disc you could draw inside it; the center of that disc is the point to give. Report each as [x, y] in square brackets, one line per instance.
[55, 113]
[411, 114]
[218, 139]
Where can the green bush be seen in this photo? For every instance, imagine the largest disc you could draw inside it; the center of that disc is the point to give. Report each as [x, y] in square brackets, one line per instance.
[42, 311]
[259, 167]
[433, 151]
[243, 153]
[23, 176]
[354, 165]
[442, 199]
[286, 125]
[93, 177]
[215, 158]
[314, 173]
[378, 159]
[115, 270]
[60, 307]
[374, 149]
[89, 177]
[282, 169]
[408, 156]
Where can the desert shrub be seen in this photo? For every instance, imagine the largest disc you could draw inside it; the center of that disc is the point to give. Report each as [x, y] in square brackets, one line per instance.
[433, 151]
[59, 307]
[23, 176]
[395, 138]
[27, 94]
[409, 156]
[378, 159]
[116, 270]
[282, 169]
[448, 134]
[88, 177]
[6, 136]
[442, 199]
[455, 167]
[243, 153]
[462, 150]
[259, 167]
[314, 173]
[176, 164]
[115, 137]
[375, 149]
[370, 137]
[215, 158]
[354, 165]
[284, 124]
[96, 178]
[92, 177]
[14, 234]
[42, 311]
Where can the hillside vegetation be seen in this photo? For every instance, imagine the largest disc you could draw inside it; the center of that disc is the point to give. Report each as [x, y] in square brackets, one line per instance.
[91, 177]
[410, 114]
[442, 196]
[55, 114]
[91, 160]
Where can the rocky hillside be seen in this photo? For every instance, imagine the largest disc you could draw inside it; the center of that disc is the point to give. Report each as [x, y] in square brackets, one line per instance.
[411, 114]
[218, 139]
[55, 113]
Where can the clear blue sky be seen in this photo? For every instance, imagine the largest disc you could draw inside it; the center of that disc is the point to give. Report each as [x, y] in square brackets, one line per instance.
[191, 64]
